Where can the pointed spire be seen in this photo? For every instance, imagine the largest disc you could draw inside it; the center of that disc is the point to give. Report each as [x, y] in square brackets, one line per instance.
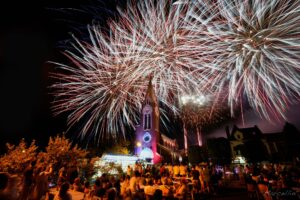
[150, 94]
[150, 86]
[150, 79]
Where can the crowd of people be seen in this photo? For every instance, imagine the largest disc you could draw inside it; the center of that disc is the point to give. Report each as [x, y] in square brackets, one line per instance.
[32, 185]
[273, 181]
[35, 181]
[164, 181]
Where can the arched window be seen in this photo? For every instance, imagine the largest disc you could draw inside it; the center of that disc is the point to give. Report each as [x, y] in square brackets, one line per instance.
[147, 121]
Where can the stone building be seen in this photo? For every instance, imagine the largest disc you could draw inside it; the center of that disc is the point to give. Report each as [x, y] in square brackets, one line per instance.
[150, 144]
[256, 146]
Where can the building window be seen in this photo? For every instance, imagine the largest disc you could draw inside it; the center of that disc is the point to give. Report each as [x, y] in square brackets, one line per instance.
[147, 121]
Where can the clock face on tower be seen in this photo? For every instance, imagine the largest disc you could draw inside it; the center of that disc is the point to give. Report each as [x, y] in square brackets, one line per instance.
[147, 137]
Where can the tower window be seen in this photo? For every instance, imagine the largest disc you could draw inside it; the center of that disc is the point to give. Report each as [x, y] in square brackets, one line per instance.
[147, 121]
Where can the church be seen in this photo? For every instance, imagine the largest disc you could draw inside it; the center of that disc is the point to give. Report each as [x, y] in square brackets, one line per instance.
[150, 144]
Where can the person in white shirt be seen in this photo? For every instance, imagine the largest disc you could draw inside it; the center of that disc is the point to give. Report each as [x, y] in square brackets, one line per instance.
[149, 189]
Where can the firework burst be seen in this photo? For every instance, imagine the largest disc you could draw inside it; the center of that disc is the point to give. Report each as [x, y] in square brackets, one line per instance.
[202, 110]
[106, 82]
[250, 49]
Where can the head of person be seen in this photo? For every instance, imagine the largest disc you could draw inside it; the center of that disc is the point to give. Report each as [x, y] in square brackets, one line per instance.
[3, 180]
[98, 182]
[64, 189]
[150, 182]
[86, 184]
[157, 194]
[77, 181]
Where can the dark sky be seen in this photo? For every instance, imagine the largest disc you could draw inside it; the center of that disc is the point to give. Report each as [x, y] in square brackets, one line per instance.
[30, 34]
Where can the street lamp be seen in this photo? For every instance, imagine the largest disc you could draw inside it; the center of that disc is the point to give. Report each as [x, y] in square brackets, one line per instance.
[138, 144]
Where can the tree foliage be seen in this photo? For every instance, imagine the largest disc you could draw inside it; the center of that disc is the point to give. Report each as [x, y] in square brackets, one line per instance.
[18, 157]
[122, 147]
[88, 168]
[60, 152]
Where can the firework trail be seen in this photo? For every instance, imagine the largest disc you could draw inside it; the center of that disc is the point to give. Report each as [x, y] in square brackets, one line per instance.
[104, 85]
[203, 110]
[249, 49]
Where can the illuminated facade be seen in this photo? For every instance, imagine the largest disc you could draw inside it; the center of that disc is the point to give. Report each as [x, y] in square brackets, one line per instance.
[147, 132]
[150, 144]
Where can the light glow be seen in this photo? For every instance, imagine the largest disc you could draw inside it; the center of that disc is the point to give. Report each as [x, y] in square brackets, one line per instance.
[194, 99]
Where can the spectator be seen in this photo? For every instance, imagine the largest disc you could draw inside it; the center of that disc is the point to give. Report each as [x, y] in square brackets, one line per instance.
[61, 177]
[158, 194]
[111, 192]
[182, 170]
[87, 188]
[72, 173]
[195, 174]
[8, 187]
[166, 190]
[133, 183]
[41, 183]
[182, 189]
[27, 182]
[149, 189]
[124, 186]
[63, 193]
[176, 170]
[77, 186]
[99, 188]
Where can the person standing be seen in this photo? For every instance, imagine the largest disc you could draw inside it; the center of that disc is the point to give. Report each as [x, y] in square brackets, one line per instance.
[72, 173]
[63, 193]
[8, 186]
[27, 182]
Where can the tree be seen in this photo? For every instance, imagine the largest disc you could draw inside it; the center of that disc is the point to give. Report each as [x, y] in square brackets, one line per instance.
[88, 167]
[60, 152]
[120, 148]
[18, 157]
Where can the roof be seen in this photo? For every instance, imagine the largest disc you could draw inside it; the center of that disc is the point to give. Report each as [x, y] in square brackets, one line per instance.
[168, 138]
[274, 137]
[150, 94]
[248, 133]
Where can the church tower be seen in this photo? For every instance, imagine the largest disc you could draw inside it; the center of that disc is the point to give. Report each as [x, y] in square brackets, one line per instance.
[147, 132]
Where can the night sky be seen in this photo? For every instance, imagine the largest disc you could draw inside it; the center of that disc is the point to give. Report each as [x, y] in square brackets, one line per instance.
[31, 35]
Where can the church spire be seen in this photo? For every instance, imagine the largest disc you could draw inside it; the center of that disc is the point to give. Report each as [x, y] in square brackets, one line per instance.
[147, 134]
[150, 94]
